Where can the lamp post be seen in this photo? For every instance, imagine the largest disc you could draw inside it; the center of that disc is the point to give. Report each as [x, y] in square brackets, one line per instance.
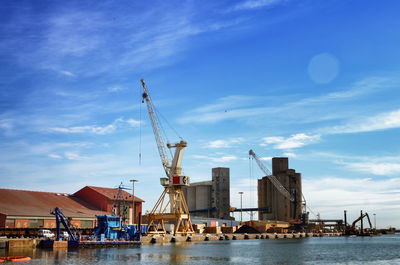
[133, 200]
[375, 220]
[241, 205]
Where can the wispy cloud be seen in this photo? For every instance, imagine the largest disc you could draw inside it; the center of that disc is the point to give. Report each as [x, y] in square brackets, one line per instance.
[67, 73]
[308, 109]
[369, 165]
[115, 89]
[6, 125]
[73, 156]
[223, 143]
[376, 166]
[255, 4]
[107, 129]
[55, 156]
[381, 121]
[290, 154]
[382, 169]
[213, 158]
[294, 141]
[218, 144]
[227, 103]
[107, 39]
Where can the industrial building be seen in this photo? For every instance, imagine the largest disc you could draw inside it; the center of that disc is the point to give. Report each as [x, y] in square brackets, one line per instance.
[31, 209]
[210, 198]
[274, 204]
[104, 199]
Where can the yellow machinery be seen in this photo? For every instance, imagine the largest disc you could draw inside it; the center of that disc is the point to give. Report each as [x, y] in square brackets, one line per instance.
[178, 210]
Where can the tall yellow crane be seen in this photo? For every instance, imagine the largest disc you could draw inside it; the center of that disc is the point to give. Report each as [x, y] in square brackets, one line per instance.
[178, 211]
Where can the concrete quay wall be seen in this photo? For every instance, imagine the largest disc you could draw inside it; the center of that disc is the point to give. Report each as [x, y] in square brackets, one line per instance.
[162, 239]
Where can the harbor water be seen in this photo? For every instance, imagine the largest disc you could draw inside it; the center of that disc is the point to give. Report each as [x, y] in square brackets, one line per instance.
[322, 250]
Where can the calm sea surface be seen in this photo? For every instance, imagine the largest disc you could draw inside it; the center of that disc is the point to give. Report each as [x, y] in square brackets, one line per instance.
[326, 250]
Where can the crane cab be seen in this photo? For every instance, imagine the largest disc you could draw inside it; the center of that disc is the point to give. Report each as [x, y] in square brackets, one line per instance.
[164, 182]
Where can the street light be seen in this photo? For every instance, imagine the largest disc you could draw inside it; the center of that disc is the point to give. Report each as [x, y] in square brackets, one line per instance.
[375, 220]
[133, 199]
[241, 205]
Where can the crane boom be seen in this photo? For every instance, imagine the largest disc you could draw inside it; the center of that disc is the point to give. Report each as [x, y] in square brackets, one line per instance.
[156, 130]
[271, 177]
[353, 225]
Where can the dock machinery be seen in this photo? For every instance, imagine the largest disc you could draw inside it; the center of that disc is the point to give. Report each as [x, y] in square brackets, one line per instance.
[290, 196]
[178, 211]
[73, 237]
[352, 230]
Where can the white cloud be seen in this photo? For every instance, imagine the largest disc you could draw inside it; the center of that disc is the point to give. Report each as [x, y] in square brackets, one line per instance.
[86, 129]
[73, 33]
[224, 158]
[330, 196]
[133, 122]
[294, 141]
[226, 103]
[116, 89]
[290, 154]
[73, 156]
[218, 144]
[323, 107]
[67, 73]
[55, 156]
[371, 165]
[107, 129]
[86, 40]
[382, 121]
[375, 168]
[220, 115]
[255, 4]
[68, 155]
[7, 126]
[229, 107]
[223, 143]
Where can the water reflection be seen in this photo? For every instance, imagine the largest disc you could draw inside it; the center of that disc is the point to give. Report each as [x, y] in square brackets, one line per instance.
[286, 251]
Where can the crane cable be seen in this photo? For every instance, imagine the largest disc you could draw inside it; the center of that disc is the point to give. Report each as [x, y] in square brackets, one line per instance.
[251, 185]
[169, 125]
[311, 211]
[158, 114]
[140, 132]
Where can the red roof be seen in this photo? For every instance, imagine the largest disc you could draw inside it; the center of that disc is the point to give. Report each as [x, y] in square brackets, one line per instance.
[36, 203]
[112, 194]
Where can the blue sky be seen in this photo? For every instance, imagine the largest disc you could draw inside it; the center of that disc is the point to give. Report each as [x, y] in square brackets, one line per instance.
[317, 81]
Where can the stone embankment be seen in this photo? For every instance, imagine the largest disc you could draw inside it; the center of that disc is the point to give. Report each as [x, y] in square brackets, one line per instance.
[161, 239]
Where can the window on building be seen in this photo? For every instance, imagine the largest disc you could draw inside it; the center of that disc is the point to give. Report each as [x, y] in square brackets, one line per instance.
[36, 223]
[86, 224]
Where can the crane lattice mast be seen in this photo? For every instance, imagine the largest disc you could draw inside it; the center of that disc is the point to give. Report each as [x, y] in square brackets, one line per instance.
[156, 129]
